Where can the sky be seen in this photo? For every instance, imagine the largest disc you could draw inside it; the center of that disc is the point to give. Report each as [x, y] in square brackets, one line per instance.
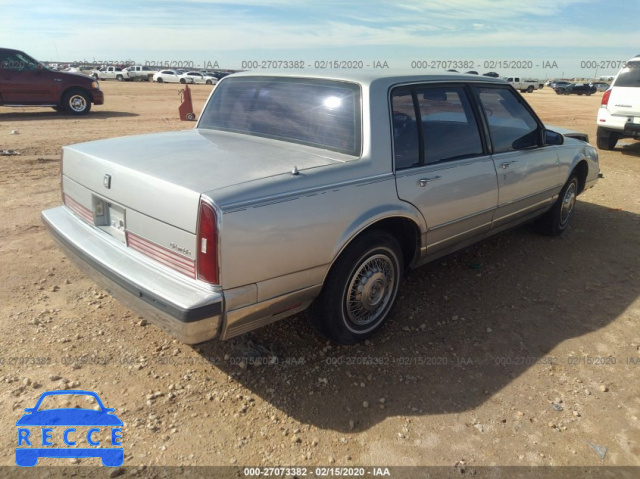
[540, 38]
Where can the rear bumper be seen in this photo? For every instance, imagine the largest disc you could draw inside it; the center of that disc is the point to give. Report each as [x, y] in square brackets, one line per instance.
[188, 311]
[623, 124]
[632, 128]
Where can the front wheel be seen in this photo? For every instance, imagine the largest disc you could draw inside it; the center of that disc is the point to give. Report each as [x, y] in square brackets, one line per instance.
[360, 290]
[183, 81]
[160, 80]
[119, 78]
[556, 220]
[77, 102]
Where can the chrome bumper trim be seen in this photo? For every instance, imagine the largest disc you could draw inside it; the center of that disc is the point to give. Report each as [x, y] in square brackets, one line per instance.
[191, 314]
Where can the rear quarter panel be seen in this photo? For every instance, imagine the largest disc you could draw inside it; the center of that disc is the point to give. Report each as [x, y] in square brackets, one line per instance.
[288, 242]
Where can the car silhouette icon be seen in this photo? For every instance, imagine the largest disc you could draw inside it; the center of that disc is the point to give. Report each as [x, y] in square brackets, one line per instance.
[36, 432]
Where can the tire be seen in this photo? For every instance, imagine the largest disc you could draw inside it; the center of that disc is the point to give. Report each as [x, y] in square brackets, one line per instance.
[77, 102]
[606, 140]
[530, 89]
[555, 221]
[589, 93]
[119, 78]
[360, 290]
[209, 82]
[160, 80]
[191, 116]
[183, 81]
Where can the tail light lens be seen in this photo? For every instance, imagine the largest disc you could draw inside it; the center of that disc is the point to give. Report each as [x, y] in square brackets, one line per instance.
[208, 244]
[605, 99]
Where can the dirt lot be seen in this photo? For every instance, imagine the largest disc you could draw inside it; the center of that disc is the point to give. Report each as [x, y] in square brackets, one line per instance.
[524, 350]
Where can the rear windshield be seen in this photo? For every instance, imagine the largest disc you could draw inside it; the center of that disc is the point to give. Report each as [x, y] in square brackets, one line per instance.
[321, 113]
[629, 75]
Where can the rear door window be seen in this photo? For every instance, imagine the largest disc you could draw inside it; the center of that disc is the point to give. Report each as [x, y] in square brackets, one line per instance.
[432, 125]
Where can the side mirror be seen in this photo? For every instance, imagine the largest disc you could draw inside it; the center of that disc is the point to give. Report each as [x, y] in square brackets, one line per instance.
[553, 138]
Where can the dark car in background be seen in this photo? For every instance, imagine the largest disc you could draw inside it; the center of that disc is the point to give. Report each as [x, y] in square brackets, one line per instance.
[576, 89]
[25, 81]
[600, 86]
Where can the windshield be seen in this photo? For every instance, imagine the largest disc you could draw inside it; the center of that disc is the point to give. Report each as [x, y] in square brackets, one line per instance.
[320, 113]
[629, 75]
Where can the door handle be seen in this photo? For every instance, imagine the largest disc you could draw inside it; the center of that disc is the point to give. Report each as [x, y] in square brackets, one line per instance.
[426, 181]
[507, 164]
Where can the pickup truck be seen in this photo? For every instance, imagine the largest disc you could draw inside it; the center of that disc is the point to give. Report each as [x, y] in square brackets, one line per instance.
[523, 85]
[110, 73]
[311, 191]
[139, 73]
[24, 81]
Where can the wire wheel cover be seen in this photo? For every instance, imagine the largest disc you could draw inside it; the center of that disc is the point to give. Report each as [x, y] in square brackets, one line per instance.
[370, 290]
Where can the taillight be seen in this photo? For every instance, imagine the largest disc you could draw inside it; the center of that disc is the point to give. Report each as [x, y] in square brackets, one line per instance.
[605, 98]
[208, 244]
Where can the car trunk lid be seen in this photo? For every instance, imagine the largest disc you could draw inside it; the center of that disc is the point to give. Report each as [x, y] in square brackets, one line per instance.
[163, 175]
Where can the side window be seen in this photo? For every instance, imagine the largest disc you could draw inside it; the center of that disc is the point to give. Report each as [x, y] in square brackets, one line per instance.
[449, 127]
[406, 140]
[18, 62]
[511, 125]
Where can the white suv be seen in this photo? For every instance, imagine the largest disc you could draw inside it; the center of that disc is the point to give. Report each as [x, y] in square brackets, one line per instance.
[619, 113]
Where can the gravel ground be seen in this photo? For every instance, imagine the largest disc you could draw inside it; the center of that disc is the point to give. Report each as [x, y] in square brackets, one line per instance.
[521, 351]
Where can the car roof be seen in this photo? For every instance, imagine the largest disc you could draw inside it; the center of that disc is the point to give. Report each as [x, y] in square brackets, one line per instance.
[368, 77]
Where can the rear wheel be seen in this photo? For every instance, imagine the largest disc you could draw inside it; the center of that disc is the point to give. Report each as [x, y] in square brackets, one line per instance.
[360, 290]
[556, 220]
[119, 78]
[183, 81]
[77, 102]
[530, 89]
[159, 80]
[606, 140]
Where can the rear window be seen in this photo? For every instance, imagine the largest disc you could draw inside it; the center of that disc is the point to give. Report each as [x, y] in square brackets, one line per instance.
[321, 113]
[629, 76]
